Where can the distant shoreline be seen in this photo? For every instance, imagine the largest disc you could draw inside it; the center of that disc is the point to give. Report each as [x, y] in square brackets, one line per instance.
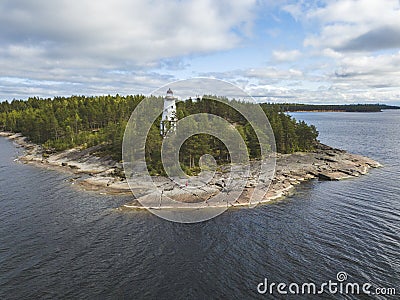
[294, 107]
[344, 111]
[100, 174]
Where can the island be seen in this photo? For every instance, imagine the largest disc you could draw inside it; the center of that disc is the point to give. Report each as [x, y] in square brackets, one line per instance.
[83, 136]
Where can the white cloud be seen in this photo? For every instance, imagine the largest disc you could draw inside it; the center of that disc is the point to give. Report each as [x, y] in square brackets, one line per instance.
[350, 53]
[80, 42]
[369, 72]
[262, 75]
[356, 79]
[115, 30]
[356, 44]
[354, 25]
[286, 56]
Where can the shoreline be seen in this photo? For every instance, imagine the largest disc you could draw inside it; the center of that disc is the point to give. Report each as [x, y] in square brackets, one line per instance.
[100, 173]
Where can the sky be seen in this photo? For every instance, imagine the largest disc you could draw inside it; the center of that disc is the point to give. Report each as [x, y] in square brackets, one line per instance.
[323, 51]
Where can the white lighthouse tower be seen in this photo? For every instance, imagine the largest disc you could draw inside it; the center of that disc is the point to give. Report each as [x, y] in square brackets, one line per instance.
[168, 120]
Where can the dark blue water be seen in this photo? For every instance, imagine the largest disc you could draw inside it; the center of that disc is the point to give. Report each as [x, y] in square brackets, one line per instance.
[59, 242]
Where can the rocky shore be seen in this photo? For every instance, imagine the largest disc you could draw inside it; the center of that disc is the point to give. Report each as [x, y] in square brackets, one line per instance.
[103, 174]
[93, 172]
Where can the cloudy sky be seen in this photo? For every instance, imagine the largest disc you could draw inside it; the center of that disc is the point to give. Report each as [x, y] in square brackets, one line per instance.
[322, 51]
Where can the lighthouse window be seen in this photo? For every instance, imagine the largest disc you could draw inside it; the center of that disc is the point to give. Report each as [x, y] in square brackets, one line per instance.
[171, 106]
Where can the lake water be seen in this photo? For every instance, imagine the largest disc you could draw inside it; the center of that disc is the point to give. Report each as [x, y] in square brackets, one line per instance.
[59, 242]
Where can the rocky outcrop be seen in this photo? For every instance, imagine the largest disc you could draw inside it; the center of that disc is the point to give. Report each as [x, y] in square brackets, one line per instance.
[100, 173]
[325, 163]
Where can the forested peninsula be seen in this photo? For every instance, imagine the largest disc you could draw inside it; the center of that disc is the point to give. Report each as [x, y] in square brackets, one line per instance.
[63, 123]
[293, 107]
[84, 135]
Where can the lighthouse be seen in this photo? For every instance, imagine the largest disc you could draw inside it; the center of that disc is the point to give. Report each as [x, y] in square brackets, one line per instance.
[168, 120]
